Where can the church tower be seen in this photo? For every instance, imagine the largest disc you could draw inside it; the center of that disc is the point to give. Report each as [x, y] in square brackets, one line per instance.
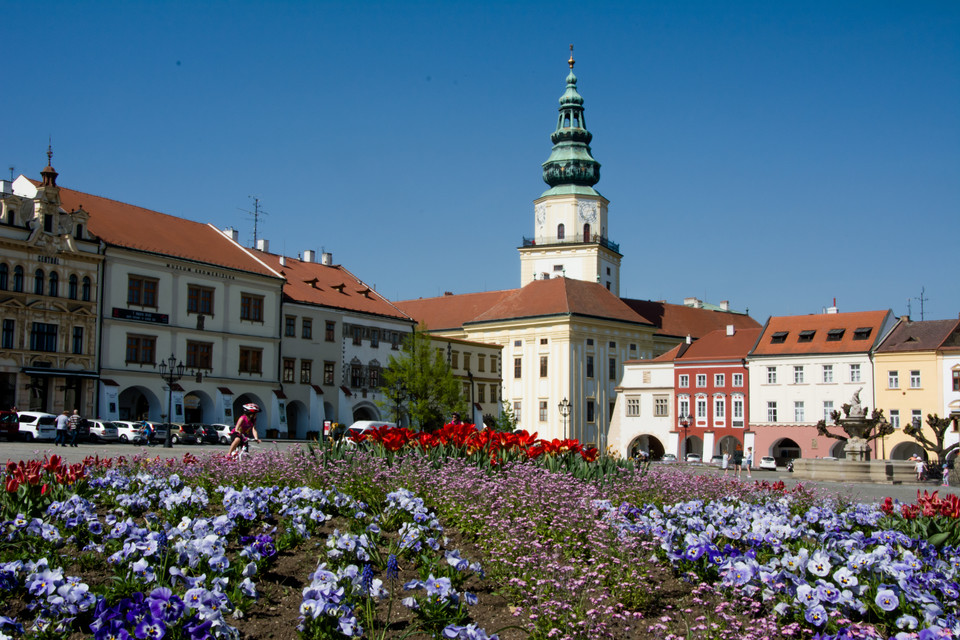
[570, 218]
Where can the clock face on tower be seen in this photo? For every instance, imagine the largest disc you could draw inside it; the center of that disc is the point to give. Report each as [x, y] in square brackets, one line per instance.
[541, 214]
[587, 212]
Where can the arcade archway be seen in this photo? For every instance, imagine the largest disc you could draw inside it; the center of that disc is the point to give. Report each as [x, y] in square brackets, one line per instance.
[785, 450]
[138, 403]
[646, 443]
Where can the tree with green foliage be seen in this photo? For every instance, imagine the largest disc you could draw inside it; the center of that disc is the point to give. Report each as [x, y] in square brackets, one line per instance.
[938, 429]
[506, 421]
[422, 381]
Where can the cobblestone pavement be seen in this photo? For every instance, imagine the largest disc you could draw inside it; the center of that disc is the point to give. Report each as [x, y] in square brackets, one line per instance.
[864, 492]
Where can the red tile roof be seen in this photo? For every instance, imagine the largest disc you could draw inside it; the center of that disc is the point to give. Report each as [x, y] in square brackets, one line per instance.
[126, 225]
[717, 345]
[925, 335]
[679, 320]
[453, 311]
[329, 286]
[823, 333]
[560, 296]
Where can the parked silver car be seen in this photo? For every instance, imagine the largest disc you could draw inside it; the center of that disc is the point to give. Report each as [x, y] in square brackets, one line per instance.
[103, 431]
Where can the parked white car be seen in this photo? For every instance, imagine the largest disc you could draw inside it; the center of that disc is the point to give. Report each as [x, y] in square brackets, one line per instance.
[693, 457]
[37, 425]
[103, 431]
[769, 463]
[127, 430]
[223, 432]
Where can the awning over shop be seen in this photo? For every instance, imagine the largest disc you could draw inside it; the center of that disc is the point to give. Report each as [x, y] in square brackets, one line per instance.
[66, 373]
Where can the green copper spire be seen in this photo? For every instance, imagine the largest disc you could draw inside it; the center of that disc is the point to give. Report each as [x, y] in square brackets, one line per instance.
[570, 167]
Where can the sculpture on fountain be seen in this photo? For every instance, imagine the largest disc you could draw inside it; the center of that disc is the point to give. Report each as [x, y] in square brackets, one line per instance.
[860, 430]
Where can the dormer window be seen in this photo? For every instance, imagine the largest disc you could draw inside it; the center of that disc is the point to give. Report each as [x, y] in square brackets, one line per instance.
[779, 337]
[862, 333]
[806, 336]
[48, 223]
[835, 335]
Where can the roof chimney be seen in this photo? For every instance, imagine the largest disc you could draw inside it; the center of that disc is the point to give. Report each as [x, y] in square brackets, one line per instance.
[731, 329]
[263, 245]
[725, 305]
[689, 339]
[833, 309]
[234, 234]
[309, 255]
[283, 261]
[904, 319]
[696, 303]
[326, 258]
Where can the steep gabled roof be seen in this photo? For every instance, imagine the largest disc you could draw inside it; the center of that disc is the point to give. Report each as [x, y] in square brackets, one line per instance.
[717, 345]
[822, 333]
[923, 335]
[132, 227]
[450, 311]
[679, 320]
[329, 286]
[560, 296]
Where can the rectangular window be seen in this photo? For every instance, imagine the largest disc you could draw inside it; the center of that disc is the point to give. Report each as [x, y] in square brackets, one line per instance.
[895, 418]
[779, 337]
[544, 341]
[738, 379]
[493, 363]
[199, 300]
[289, 369]
[835, 335]
[357, 333]
[661, 406]
[481, 362]
[633, 407]
[8, 332]
[199, 355]
[78, 340]
[307, 329]
[517, 368]
[290, 326]
[771, 375]
[494, 389]
[701, 408]
[543, 411]
[701, 380]
[251, 307]
[481, 393]
[395, 340]
[591, 411]
[806, 336]
[543, 366]
[684, 407]
[589, 342]
[251, 359]
[455, 360]
[771, 411]
[893, 379]
[373, 375]
[518, 343]
[827, 411]
[916, 418]
[43, 337]
[589, 366]
[306, 371]
[798, 374]
[374, 338]
[862, 333]
[956, 380]
[141, 349]
[466, 361]
[719, 380]
[719, 408]
[328, 369]
[854, 373]
[828, 373]
[142, 292]
[798, 411]
[516, 411]
[612, 369]
[915, 379]
[738, 411]
[329, 331]
[684, 381]
[356, 376]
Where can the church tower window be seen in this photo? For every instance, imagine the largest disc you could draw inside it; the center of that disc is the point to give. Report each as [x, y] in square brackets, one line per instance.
[560, 232]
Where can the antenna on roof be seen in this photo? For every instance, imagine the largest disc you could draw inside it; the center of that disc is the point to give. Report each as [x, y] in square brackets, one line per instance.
[256, 213]
[922, 299]
[11, 173]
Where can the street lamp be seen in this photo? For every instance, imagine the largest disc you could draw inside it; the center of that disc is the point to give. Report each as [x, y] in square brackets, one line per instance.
[564, 407]
[685, 423]
[170, 371]
[473, 417]
[399, 393]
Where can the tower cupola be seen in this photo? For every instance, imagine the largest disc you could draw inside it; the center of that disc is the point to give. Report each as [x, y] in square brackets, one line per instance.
[570, 167]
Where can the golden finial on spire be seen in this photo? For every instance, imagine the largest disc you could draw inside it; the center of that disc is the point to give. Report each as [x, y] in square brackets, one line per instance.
[571, 61]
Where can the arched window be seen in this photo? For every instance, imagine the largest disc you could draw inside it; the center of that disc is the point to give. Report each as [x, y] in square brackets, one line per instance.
[560, 232]
[18, 279]
[85, 289]
[54, 284]
[586, 232]
[4, 276]
[38, 282]
[74, 284]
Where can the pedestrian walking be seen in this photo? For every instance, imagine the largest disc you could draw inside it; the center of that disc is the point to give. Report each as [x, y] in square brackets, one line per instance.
[63, 423]
[73, 426]
[738, 462]
[726, 462]
[919, 467]
[946, 474]
[749, 461]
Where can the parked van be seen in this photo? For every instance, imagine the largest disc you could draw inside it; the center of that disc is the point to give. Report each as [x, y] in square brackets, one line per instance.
[37, 425]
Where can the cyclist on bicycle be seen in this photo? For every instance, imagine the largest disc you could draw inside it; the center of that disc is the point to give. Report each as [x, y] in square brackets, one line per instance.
[246, 426]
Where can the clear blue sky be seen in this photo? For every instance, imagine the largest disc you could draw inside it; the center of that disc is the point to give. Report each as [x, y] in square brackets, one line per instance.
[773, 154]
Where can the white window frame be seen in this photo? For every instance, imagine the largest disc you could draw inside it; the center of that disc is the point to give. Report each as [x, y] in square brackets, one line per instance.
[719, 380]
[719, 409]
[702, 410]
[771, 375]
[895, 418]
[701, 380]
[799, 411]
[827, 410]
[683, 405]
[828, 374]
[771, 411]
[737, 409]
[798, 374]
[738, 379]
[684, 381]
[893, 379]
[915, 379]
[855, 373]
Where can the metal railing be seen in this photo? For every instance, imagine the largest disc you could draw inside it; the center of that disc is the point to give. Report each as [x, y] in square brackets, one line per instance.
[571, 239]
